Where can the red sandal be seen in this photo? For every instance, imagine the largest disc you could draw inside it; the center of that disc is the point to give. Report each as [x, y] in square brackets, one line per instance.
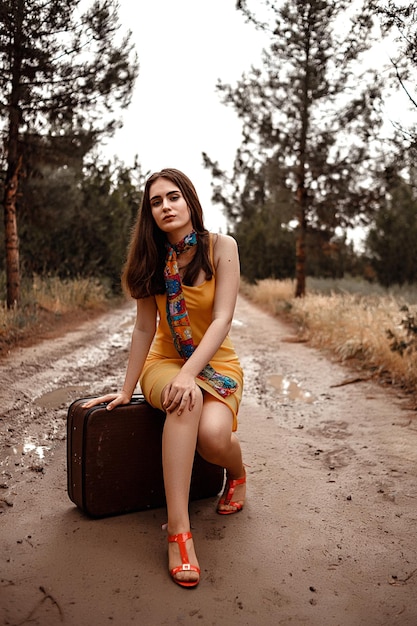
[186, 566]
[228, 495]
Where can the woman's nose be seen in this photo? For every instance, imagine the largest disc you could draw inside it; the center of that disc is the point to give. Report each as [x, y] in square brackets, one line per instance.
[165, 204]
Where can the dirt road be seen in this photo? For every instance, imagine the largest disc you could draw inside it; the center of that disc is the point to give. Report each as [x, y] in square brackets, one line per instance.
[328, 534]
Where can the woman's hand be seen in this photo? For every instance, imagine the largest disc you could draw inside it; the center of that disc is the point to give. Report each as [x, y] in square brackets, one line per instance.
[113, 400]
[179, 392]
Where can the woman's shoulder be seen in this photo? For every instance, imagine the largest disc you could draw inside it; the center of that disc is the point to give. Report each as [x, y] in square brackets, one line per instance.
[223, 246]
[222, 241]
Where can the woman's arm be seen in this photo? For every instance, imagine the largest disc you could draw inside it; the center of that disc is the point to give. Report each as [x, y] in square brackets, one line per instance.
[142, 336]
[226, 260]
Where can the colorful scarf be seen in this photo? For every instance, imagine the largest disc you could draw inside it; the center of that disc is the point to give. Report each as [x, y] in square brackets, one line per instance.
[178, 320]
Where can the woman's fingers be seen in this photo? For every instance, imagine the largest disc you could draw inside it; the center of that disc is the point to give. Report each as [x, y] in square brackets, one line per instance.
[182, 402]
[172, 398]
[99, 400]
[187, 397]
[112, 400]
[111, 405]
[165, 396]
[192, 399]
[177, 398]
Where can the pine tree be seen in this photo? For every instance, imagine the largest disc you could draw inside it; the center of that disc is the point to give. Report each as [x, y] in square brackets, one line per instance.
[310, 112]
[391, 241]
[88, 203]
[63, 74]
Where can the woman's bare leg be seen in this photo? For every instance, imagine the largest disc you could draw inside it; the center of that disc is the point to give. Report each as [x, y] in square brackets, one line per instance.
[218, 444]
[178, 448]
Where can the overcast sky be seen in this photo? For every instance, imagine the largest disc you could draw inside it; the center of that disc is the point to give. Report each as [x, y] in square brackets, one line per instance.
[184, 46]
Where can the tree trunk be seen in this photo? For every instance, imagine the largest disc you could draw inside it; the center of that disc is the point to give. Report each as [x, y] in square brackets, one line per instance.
[302, 198]
[300, 244]
[11, 235]
[14, 164]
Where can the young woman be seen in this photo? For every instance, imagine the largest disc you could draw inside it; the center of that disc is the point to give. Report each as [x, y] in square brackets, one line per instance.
[185, 282]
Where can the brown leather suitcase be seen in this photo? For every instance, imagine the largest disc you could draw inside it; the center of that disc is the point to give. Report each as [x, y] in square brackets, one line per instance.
[114, 460]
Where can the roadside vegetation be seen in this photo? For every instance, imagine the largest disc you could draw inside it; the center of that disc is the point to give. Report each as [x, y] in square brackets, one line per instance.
[48, 302]
[361, 324]
[364, 325]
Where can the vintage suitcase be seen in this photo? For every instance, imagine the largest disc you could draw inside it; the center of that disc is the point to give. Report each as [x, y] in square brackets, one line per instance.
[114, 462]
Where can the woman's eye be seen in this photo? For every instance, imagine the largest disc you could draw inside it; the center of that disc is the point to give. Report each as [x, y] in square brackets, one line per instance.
[155, 203]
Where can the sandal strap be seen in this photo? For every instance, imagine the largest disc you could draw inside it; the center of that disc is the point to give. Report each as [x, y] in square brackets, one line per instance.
[231, 486]
[181, 538]
[186, 566]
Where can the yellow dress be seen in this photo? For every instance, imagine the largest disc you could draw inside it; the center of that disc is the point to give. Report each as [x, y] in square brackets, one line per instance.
[163, 361]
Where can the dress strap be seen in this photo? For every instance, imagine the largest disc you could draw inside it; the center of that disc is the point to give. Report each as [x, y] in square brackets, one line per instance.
[211, 251]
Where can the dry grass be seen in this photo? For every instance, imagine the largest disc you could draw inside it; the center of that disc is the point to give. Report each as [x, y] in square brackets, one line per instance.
[62, 296]
[376, 332]
[273, 295]
[51, 296]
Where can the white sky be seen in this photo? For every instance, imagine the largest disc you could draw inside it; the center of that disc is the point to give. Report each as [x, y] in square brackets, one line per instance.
[184, 46]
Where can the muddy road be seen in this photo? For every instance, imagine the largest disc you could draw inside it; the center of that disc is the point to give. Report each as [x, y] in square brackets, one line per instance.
[328, 534]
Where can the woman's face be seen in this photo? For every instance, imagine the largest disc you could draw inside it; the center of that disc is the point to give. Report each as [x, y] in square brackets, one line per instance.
[169, 209]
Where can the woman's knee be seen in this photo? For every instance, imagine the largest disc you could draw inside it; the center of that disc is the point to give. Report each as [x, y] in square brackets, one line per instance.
[213, 438]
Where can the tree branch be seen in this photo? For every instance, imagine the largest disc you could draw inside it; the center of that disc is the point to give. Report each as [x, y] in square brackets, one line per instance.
[402, 82]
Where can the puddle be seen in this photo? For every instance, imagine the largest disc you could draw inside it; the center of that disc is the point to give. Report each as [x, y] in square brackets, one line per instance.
[290, 388]
[56, 398]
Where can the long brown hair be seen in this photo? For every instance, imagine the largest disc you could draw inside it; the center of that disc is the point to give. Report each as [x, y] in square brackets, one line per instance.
[143, 273]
